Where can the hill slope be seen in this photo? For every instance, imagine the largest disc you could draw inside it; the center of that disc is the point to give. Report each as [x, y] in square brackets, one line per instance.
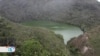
[41, 40]
[82, 13]
[94, 40]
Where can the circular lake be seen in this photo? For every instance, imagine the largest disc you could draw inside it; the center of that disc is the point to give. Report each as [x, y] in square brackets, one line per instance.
[66, 30]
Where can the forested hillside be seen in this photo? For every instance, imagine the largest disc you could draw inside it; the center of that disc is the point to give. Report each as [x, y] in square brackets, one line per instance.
[82, 13]
[31, 41]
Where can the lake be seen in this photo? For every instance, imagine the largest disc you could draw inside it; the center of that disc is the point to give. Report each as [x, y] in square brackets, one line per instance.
[66, 30]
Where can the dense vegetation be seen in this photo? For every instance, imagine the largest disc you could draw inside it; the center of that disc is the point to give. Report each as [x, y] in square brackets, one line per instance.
[83, 13]
[31, 41]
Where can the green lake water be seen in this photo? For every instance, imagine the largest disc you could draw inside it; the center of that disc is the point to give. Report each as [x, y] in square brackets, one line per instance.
[66, 30]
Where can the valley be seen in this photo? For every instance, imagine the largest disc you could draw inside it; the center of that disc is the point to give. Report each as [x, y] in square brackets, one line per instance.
[50, 27]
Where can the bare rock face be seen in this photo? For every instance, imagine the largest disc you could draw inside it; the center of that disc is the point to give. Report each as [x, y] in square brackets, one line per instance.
[82, 45]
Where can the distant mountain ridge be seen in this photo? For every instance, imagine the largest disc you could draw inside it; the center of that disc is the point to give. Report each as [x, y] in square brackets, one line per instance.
[77, 12]
[39, 9]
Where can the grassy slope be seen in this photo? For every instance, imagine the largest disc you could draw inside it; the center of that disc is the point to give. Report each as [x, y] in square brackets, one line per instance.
[48, 39]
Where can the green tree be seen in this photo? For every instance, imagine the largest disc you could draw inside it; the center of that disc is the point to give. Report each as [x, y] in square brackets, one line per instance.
[6, 37]
[3, 54]
[33, 48]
